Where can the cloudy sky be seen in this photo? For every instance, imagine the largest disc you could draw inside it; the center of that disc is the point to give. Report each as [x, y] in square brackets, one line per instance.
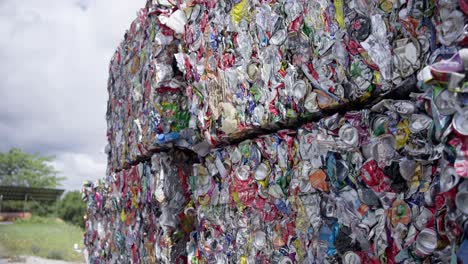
[54, 57]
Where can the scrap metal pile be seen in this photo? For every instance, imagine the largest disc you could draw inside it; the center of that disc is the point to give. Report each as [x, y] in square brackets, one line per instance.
[286, 132]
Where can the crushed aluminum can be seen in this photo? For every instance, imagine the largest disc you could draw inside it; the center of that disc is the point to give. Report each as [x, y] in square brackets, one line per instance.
[456, 82]
[461, 201]
[425, 215]
[324, 100]
[235, 155]
[382, 149]
[426, 242]
[402, 107]
[331, 122]
[446, 102]
[243, 173]
[406, 56]
[448, 179]
[349, 135]
[460, 122]
[318, 180]
[407, 168]
[253, 72]
[400, 213]
[461, 166]
[262, 171]
[259, 240]
[430, 195]
[351, 258]
[419, 122]
[368, 197]
[299, 89]
[380, 124]
[361, 27]
[278, 37]
[310, 103]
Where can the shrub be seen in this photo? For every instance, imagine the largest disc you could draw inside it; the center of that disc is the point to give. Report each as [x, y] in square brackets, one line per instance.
[35, 249]
[35, 220]
[72, 208]
[41, 208]
[56, 254]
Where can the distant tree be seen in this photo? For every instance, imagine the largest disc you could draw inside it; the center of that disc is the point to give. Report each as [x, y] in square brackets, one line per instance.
[72, 208]
[18, 168]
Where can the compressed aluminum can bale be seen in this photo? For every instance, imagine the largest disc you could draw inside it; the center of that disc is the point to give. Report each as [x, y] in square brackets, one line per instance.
[138, 215]
[253, 65]
[382, 184]
[377, 193]
[197, 74]
[379, 185]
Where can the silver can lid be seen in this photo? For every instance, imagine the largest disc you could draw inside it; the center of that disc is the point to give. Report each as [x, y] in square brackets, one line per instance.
[299, 89]
[259, 240]
[351, 258]
[419, 122]
[426, 242]
[446, 102]
[460, 121]
[403, 107]
[349, 135]
[243, 173]
[262, 171]
[278, 37]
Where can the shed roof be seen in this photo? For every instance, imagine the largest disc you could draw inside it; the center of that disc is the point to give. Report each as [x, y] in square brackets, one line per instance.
[17, 193]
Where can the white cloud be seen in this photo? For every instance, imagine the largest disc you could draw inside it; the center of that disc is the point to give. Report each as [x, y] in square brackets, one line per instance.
[82, 166]
[54, 58]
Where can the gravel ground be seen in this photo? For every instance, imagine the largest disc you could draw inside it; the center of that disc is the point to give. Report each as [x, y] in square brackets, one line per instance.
[33, 260]
[28, 259]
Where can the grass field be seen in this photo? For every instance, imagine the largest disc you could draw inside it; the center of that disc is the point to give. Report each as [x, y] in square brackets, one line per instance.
[43, 237]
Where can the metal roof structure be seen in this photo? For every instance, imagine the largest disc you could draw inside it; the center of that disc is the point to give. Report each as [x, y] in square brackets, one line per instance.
[16, 193]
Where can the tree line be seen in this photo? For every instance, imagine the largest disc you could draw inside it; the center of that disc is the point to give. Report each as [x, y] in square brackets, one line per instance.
[18, 168]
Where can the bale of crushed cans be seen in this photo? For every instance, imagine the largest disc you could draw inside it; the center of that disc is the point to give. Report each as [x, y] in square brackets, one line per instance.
[194, 74]
[381, 185]
[363, 187]
[254, 131]
[137, 215]
[254, 64]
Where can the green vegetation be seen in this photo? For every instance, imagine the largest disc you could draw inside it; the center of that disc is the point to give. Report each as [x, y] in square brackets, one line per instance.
[40, 236]
[43, 208]
[19, 168]
[72, 208]
[43, 237]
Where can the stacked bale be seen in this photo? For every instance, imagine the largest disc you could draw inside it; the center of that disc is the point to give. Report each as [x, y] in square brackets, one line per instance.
[275, 132]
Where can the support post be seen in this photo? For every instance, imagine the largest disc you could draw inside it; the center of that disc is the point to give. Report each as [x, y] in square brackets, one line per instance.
[24, 204]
